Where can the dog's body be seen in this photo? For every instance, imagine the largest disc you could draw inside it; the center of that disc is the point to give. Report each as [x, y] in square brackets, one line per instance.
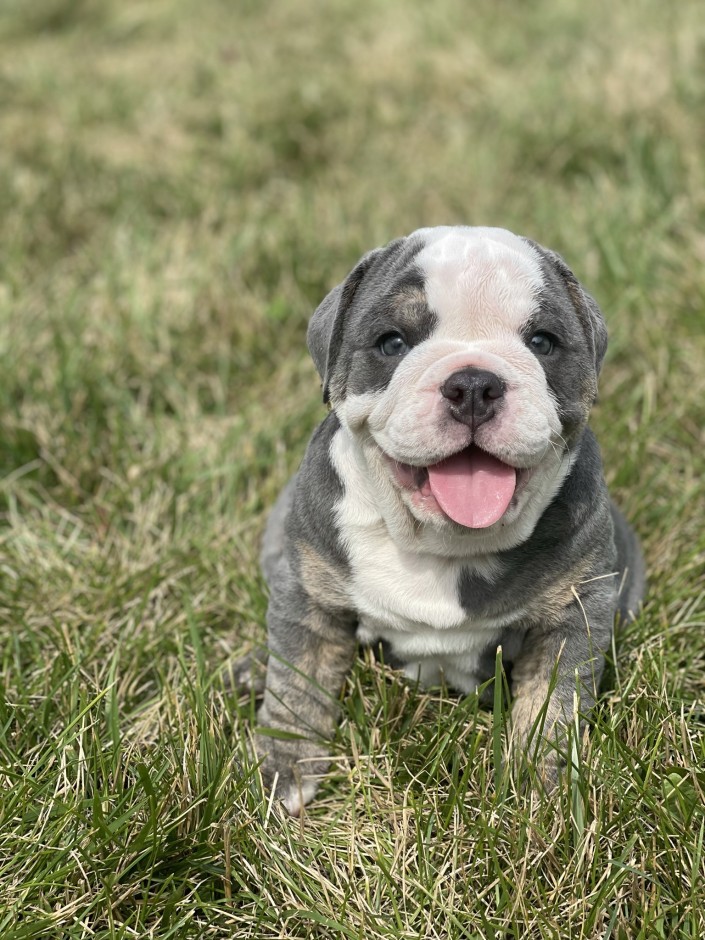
[453, 500]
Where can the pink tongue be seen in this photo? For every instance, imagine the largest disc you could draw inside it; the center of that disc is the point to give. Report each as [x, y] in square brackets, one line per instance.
[472, 487]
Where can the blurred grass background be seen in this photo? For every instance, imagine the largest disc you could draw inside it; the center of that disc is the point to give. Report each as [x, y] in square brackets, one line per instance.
[180, 184]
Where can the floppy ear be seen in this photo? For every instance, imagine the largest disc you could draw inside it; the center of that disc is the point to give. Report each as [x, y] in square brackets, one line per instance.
[325, 329]
[587, 308]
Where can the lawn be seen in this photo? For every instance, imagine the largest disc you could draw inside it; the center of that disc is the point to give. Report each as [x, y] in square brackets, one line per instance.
[180, 184]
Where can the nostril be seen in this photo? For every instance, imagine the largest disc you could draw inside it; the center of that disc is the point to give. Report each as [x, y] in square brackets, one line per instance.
[493, 389]
[453, 393]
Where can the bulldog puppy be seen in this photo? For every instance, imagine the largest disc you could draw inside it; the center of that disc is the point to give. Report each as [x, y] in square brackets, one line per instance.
[453, 499]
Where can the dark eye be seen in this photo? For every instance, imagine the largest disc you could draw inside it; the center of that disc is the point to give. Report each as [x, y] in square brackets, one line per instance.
[542, 344]
[392, 344]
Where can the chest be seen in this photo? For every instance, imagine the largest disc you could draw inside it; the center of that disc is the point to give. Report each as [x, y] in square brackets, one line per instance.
[402, 592]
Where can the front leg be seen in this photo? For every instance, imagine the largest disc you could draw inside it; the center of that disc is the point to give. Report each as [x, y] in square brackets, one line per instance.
[556, 662]
[310, 652]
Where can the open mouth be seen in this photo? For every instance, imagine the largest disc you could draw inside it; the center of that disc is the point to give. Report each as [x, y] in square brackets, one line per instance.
[472, 487]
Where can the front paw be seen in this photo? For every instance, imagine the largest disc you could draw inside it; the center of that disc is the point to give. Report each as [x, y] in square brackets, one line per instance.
[538, 746]
[292, 768]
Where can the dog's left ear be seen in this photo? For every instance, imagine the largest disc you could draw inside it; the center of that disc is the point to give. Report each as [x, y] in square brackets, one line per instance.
[325, 329]
[587, 308]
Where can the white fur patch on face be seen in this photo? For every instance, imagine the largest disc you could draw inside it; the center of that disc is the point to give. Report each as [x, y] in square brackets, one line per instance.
[411, 421]
[479, 281]
[482, 285]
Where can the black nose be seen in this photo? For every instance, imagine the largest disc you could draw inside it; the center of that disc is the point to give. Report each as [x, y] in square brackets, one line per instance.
[473, 395]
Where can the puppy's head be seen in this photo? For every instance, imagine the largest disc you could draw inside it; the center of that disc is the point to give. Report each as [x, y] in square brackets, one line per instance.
[465, 362]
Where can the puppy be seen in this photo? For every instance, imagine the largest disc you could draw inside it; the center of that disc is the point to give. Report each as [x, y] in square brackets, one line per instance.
[453, 499]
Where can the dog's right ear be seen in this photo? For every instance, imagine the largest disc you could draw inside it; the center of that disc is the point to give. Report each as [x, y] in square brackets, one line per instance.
[325, 329]
[327, 325]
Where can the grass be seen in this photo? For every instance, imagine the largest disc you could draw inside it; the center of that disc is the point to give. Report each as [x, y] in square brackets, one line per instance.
[180, 183]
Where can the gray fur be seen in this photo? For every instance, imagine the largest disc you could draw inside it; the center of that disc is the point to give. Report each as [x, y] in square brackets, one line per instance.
[569, 576]
[630, 564]
[569, 311]
[372, 282]
[558, 278]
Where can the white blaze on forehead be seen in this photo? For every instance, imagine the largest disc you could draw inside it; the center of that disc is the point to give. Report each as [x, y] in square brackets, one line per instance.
[479, 281]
